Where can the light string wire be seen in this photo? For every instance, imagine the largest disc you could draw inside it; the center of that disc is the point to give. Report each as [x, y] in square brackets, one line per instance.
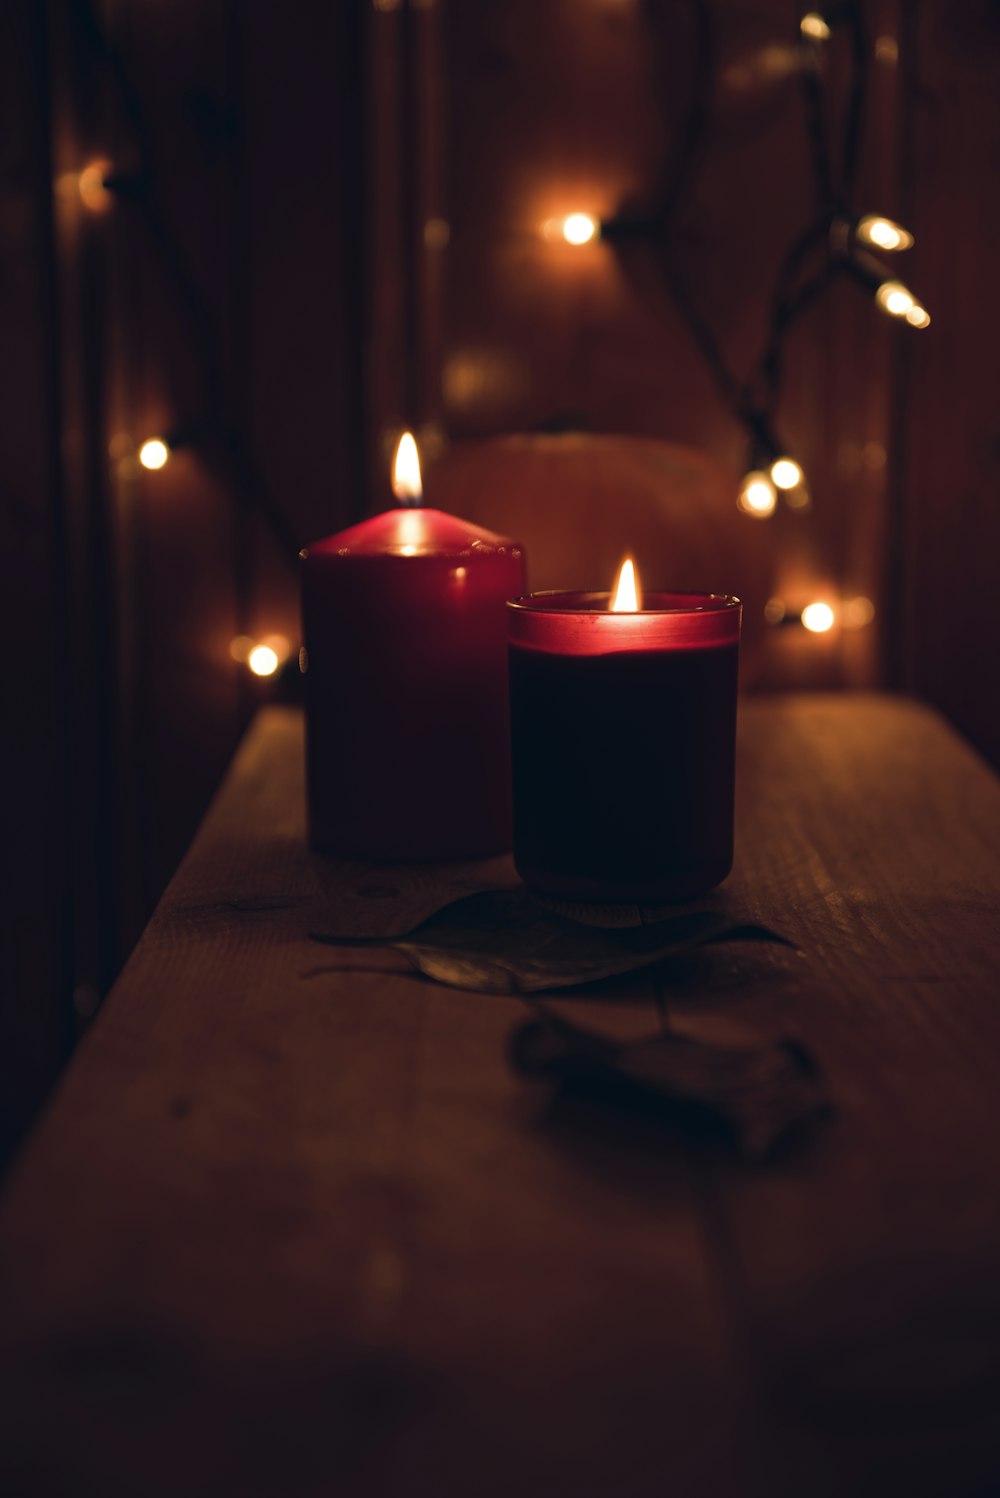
[799, 282]
[222, 437]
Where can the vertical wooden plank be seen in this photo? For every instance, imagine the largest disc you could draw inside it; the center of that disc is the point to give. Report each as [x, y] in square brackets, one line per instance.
[948, 522]
[384, 226]
[38, 740]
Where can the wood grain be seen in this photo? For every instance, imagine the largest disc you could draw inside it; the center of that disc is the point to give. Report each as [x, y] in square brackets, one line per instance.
[291, 1226]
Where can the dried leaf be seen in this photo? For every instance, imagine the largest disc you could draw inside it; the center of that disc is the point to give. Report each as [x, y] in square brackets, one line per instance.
[759, 1092]
[505, 942]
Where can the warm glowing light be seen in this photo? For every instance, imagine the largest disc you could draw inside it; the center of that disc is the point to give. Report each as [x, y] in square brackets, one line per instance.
[410, 532]
[241, 648]
[757, 495]
[894, 298]
[774, 611]
[263, 661]
[786, 473]
[579, 228]
[263, 657]
[814, 26]
[918, 317]
[818, 617]
[882, 232]
[756, 70]
[628, 594]
[406, 484]
[154, 453]
[95, 195]
[437, 233]
[857, 612]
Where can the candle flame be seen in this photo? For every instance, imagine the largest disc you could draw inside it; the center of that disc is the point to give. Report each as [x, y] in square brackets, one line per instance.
[406, 484]
[628, 594]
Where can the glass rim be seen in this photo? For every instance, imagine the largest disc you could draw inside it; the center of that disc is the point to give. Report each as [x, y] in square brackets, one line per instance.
[538, 603]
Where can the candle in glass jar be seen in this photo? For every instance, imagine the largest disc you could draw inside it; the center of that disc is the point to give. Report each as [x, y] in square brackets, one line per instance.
[404, 629]
[623, 724]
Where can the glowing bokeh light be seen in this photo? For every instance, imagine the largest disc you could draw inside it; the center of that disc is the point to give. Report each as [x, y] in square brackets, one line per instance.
[857, 613]
[757, 495]
[437, 233]
[813, 26]
[95, 196]
[818, 617]
[894, 298]
[263, 661]
[579, 228]
[883, 233]
[154, 453]
[786, 473]
[628, 595]
[918, 317]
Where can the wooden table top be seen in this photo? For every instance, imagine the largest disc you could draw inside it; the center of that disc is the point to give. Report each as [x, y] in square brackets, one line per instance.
[291, 1225]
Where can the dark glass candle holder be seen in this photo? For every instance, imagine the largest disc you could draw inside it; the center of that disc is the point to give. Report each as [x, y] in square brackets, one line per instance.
[623, 729]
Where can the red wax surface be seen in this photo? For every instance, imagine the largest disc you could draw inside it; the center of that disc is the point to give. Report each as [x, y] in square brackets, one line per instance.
[623, 731]
[407, 734]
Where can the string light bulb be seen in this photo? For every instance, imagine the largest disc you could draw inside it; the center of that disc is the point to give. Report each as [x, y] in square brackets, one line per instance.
[898, 301]
[813, 26]
[263, 660]
[883, 233]
[261, 657]
[818, 617]
[786, 473]
[94, 192]
[895, 299]
[580, 228]
[154, 453]
[757, 496]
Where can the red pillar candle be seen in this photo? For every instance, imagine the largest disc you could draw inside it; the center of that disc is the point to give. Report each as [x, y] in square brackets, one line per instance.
[407, 737]
[623, 723]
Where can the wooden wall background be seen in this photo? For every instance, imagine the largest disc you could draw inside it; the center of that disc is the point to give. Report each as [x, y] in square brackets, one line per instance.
[328, 227]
